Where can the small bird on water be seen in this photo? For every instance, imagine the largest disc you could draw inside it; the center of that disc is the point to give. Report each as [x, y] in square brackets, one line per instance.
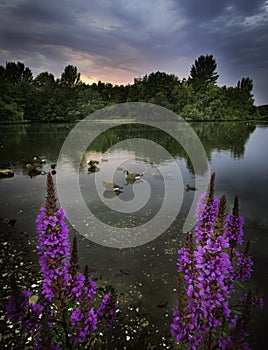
[190, 188]
[132, 175]
[111, 186]
[93, 163]
[39, 159]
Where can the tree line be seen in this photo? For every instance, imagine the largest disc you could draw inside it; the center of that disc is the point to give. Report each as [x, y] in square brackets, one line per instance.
[46, 99]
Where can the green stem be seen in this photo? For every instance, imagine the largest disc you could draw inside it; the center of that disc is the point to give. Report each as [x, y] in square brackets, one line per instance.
[65, 329]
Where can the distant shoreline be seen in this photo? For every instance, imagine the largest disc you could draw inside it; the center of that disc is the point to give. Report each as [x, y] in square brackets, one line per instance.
[133, 121]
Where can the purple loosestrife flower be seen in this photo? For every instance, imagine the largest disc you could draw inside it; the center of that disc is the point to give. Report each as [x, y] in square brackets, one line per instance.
[32, 321]
[244, 264]
[20, 309]
[51, 200]
[90, 286]
[83, 318]
[239, 329]
[220, 221]
[256, 299]
[210, 289]
[107, 308]
[207, 208]
[16, 307]
[77, 285]
[186, 262]
[84, 322]
[103, 305]
[64, 312]
[234, 232]
[17, 303]
[212, 263]
[81, 282]
[207, 272]
[54, 251]
[45, 337]
[234, 226]
[185, 327]
[53, 245]
[11, 310]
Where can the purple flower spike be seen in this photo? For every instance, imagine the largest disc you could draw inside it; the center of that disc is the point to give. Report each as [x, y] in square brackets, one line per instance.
[54, 251]
[107, 308]
[84, 323]
[207, 270]
[63, 312]
[234, 226]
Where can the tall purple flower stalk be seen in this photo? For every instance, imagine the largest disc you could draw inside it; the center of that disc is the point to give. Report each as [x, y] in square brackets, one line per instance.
[209, 265]
[54, 252]
[65, 312]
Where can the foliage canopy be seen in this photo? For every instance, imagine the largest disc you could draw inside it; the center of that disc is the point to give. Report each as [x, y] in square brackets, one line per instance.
[45, 99]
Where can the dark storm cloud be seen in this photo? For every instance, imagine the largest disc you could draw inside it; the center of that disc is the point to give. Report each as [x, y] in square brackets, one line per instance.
[207, 9]
[28, 22]
[40, 12]
[233, 31]
[121, 39]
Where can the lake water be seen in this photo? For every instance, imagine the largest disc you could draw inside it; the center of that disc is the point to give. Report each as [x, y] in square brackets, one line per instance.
[144, 275]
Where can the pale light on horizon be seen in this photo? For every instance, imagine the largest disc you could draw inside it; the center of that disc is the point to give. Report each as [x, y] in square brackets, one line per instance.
[114, 81]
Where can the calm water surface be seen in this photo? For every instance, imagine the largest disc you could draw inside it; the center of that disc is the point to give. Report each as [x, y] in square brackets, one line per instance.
[237, 152]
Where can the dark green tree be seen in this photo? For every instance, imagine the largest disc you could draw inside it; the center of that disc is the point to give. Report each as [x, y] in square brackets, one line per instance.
[135, 91]
[2, 73]
[44, 79]
[158, 88]
[120, 93]
[203, 72]
[70, 77]
[245, 84]
[16, 73]
[263, 111]
[10, 108]
[184, 95]
[43, 105]
[88, 101]
[238, 104]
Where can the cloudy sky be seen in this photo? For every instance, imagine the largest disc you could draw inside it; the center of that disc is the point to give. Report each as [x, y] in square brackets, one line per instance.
[117, 40]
